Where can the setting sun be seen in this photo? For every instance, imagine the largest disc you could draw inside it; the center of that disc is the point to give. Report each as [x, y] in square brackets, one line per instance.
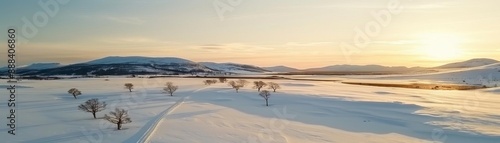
[441, 46]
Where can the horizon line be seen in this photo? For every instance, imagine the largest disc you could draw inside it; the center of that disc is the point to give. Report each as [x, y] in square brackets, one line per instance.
[242, 63]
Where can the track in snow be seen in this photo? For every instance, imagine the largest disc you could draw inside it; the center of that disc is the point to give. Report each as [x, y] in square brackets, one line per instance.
[154, 123]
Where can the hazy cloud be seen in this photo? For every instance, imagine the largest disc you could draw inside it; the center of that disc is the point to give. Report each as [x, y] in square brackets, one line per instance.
[126, 20]
[398, 42]
[298, 44]
[129, 40]
[232, 47]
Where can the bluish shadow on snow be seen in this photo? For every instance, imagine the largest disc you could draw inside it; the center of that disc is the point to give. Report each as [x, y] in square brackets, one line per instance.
[383, 93]
[338, 113]
[68, 137]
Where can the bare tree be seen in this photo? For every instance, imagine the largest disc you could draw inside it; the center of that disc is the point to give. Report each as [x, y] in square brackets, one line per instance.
[171, 88]
[119, 117]
[210, 82]
[93, 106]
[274, 86]
[266, 95]
[129, 86]
[222, 79]
[207, 82]
[235, 85]
[242, 82]
[231, 83]
[214, 81]
[75, 92]
[259, 85]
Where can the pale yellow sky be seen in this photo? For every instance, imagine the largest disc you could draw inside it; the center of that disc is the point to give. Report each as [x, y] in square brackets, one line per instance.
[294, 33]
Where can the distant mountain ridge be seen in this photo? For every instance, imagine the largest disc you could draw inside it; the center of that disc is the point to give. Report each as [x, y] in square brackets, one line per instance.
[127, 65]
[469, 63]
[34, 66]
[139, 60]
[281, 69]
[118, 65]
[362, 68]
[233, 67]
[42, 66]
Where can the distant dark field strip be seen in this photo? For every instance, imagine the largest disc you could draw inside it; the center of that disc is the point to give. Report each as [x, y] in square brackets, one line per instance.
[244, 77]
[413, 85]
[421, 86]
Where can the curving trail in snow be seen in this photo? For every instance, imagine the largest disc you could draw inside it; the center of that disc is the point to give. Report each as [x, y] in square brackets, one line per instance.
[152, 125]
[159, 118]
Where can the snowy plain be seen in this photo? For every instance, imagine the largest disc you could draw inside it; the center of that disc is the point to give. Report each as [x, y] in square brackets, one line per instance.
[302, 111]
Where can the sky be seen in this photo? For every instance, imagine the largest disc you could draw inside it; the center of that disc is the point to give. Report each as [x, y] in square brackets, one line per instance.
[295, 33]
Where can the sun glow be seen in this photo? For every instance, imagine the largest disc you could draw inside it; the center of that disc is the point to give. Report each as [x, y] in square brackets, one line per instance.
[441, 46]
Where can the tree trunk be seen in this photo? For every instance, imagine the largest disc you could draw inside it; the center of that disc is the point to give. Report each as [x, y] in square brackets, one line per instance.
[93, 113]
[130, 90]
[119, 126]
[274, 90]
[267, 103]
[171, 94]
[74, 95]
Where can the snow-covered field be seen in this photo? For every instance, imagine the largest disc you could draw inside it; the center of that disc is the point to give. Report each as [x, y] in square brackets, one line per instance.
[303, 111]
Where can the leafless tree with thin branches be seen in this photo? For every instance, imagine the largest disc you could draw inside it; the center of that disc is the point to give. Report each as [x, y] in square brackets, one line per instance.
[235, 85]
[171, 88]
[222, 79]
[119, 117]
[129, 86]
[93, 106]
[242, 82]
[273, 86]
[266, 95]
[75, 92]
[209, 82]
[259, 85]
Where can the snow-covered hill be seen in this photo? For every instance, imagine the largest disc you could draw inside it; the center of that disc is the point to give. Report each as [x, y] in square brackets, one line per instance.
[281, 69]
[41, 66]
[488, 75]
[139, 60]
[36, 66]
[362, 68]
[116, 65]
[469, 63]
[233, 68]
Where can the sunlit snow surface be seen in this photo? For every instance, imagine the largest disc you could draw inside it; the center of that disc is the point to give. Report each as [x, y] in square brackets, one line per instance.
[303, 111]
